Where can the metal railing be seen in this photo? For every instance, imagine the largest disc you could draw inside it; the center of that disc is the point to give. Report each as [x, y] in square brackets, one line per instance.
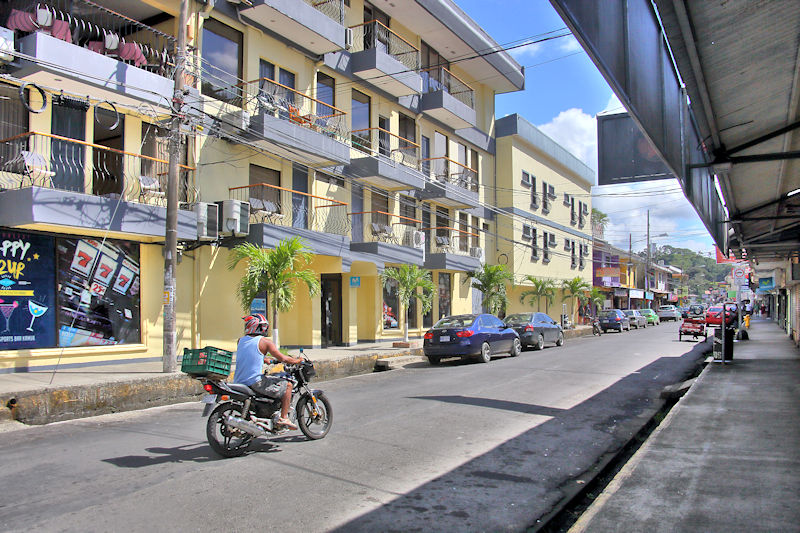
[272, 98]
[374, 34]
[381, 226]
[334, 9]
[56, 162]
[378, 141]
[439, 78]
[92, 26]
[279, 206]
[445, 170]
[444, 239]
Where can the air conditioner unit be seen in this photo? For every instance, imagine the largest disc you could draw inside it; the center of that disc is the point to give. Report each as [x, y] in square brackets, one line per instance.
[567, 200]
[418, 239]
[546, 256]
[235, 219]
[551, 192]
[207, 221]
[477, 253]
[6, 45]
[348, 38]
[234, 122]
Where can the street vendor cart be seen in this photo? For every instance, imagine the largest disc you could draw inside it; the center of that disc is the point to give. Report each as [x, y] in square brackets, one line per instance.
[694, 326]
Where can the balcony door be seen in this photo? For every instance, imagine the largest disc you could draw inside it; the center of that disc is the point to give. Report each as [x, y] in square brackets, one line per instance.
[357, 205]
[68, 157]
[107, 173]
[331, 312]
[375, 35]
[300, 201]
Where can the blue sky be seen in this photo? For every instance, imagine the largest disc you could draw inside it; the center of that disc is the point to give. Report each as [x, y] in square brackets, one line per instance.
[564, 91]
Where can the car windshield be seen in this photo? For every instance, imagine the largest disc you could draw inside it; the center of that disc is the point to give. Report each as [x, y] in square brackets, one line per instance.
[715, 310]
[461, 321]
[629, 312]
[518, 319]
[646, 311]
[666, 308]
[610, 314]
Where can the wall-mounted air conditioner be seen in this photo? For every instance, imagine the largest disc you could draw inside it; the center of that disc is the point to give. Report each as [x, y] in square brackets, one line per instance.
[235, 218]
[477, 253]
[418, 239]
[207, 221]
[348, 38]
[6, 45]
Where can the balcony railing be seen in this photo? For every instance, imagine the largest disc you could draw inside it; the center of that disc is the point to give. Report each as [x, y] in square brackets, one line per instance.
[277, 100]
[445, 170]
[56, 162]
[444, 239]
[271, 204]
[334, 9]
[378, 141]
[380, 226]
[439, 78]
[89, 25]
[374, 34]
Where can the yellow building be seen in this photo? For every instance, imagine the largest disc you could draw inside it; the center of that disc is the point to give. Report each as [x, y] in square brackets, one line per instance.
[543, 195]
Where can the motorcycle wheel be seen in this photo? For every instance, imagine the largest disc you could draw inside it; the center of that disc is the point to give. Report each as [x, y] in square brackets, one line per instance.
[314, 427]
[226, 441]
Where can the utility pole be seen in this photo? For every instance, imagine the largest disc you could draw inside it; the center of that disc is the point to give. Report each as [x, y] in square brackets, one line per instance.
[647, 265]
[170, 362]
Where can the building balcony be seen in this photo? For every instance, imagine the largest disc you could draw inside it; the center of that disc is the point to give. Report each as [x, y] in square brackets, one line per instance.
[385, 160]
[392, 238]
[447, 98]
[288, 123]
[448, 248]
[277, 213]
[316, 25]
[451, 184]
[77, 43]
[384, 59]
[56, 181]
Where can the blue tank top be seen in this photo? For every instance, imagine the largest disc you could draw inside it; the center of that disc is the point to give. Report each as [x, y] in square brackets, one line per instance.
[249, 361]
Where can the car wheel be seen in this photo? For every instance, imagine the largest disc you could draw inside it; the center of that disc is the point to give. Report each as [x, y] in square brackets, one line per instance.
[539, 342]
[560, 341]
[434, 359]
[605, 331]
[516, 348]
[645, 325]
[486, 353]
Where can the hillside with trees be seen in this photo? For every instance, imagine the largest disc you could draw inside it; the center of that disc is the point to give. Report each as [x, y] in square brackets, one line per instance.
[702, 270]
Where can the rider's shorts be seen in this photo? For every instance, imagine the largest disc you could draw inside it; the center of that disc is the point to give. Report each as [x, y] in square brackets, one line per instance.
[270, 387]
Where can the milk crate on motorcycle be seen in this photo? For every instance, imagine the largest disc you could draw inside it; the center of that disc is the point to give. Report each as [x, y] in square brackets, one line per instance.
[208, 362]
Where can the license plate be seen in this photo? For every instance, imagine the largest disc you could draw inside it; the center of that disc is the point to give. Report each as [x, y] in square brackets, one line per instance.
[444, 338]
[209, 398]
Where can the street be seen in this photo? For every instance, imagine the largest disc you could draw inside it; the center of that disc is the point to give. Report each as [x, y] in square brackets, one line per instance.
[458, 447]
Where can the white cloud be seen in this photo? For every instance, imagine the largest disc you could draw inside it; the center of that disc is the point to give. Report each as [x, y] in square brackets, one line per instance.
[570, 44]
[576, 131]
[525, 52]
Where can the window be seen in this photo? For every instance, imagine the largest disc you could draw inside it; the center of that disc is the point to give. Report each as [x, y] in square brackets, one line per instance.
[391, 305]
[222, 53]
[526, 179]
[408, 208]
[526, 231]
[441, 169]
[474, 164]
[443, 223]
[545, 239]
[476, 240]
[359, 116]
[266, 70]
[407, 131]
[444, 294]
[425, 154]
[286, 78]
[432, 63]
[411, 313]
[326, 89]
[380, 202]
[13, 121]
[463, 238]
[263, 195]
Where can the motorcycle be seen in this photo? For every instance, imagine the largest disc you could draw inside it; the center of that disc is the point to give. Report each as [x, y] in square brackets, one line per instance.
[237, 415]
[596, 330]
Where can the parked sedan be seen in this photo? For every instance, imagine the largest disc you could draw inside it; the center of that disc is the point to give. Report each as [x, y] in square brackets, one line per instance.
[535, 329]
[714, 315]
[650, 316]
[668, 312]
[479, 336]
[636, 319]
[614, 319]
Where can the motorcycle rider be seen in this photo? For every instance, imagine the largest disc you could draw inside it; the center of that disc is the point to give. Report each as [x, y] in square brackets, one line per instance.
[252, 351]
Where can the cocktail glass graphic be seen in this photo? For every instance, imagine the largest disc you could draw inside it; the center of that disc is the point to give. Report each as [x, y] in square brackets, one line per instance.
[7, 309]
[36, 309]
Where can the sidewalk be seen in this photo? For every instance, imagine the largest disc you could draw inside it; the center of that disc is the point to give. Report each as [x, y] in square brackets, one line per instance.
[726, 458]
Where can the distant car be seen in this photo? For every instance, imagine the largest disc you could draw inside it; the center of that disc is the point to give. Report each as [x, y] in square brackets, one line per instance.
[535, 329]
[479, 336]
[614, 319]
[636, 319]
[714, 315]
[668, 312]
[650, 316]
[695, 311]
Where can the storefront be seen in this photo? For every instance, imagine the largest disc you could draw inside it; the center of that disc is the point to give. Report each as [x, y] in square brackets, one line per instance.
[637, 300]
[620, 298]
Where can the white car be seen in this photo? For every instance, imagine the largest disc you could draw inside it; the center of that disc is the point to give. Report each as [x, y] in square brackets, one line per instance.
[668, 312]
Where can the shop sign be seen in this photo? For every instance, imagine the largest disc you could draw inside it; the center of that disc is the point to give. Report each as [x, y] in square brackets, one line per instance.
[258, 305]
[648, 295]
[636, 293]
[621, 292]
[766, 284]
[355, 281]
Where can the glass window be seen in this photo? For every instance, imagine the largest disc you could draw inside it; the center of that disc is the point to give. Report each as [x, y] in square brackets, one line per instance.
[380, 202]
[360, 122]
[411, 313]
[263, 194]
[443, 223]
[408, 208]
[222, 56]
[476, 240]
[444, 294]
[458, 321]
[390, 305]
[266, 70]
[286, 78]
[425, 154]
[13, 121]
[463, 238]
[326, 89]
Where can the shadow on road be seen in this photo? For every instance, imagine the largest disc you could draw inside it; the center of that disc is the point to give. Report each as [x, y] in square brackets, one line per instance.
[190, 453]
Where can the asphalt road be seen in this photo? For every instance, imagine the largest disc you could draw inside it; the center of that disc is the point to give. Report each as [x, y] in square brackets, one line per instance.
[459, 447]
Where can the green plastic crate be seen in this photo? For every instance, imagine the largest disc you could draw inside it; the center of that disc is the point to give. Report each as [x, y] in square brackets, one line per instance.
[207, 362]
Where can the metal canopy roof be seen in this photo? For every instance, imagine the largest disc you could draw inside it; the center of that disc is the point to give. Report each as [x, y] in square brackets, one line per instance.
[739, 61]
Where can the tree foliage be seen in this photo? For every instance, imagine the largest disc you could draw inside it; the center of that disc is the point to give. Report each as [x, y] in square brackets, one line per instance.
[491, 280]
[542, 288]
[409, 278]
[701, 270]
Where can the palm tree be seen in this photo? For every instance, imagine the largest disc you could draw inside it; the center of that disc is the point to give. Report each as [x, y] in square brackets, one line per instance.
[274, 272]
[542, 288]
[595, 297]
[572, 289]
[409, 278]
[491, 281]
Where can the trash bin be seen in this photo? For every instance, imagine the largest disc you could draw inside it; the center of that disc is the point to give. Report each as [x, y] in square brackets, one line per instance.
[727, 343]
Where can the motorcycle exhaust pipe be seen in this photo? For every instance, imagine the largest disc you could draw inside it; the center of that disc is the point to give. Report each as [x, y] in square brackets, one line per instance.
[245, 425]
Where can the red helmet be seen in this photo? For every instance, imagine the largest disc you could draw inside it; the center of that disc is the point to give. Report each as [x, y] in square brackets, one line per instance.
[255, 324]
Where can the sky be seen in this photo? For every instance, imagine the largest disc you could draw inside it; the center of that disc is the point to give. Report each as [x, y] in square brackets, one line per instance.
[563, 93]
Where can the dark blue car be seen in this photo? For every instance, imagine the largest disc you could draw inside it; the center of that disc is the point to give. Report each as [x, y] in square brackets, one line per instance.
[479, 336]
